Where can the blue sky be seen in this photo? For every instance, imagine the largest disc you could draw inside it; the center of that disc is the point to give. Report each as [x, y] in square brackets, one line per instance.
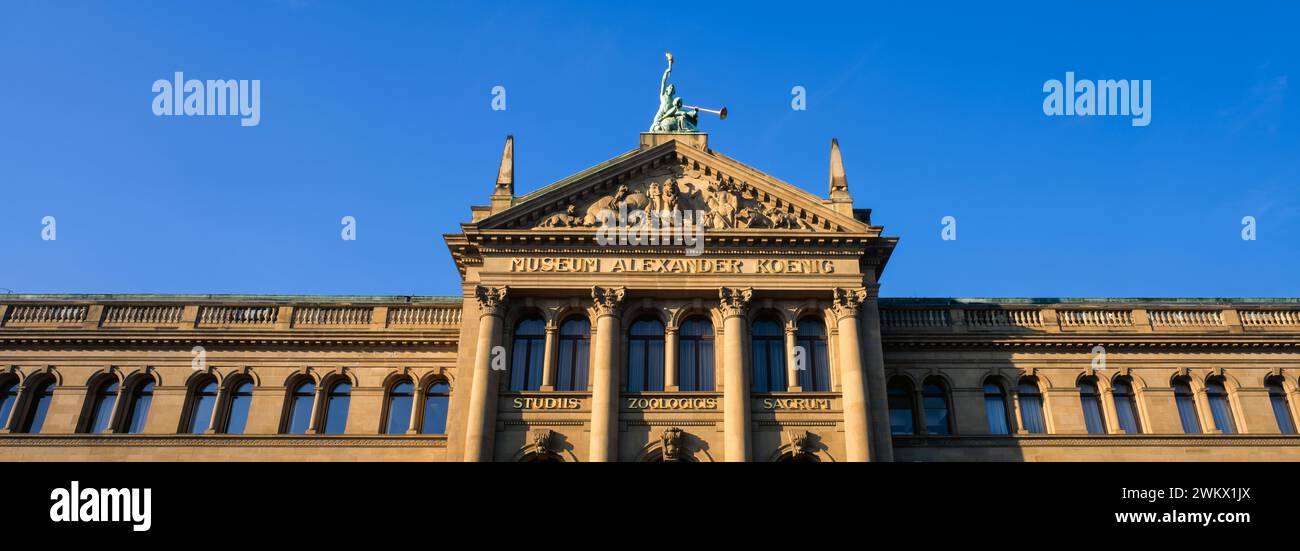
[382, 111]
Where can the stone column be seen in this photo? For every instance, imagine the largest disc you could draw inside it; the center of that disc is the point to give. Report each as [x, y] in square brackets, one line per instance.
[878, 402]
[605, 382]
[791, 374]
[216, 409]
[417, 391]
[735, 390]
[483, 391]
[670, 359]
[856, 431]
[548, 362]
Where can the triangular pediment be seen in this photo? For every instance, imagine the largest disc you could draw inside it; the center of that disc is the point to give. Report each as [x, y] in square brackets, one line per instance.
[722, 193]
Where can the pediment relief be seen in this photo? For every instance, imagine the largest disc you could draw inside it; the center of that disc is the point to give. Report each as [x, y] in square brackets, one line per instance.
[676, 186]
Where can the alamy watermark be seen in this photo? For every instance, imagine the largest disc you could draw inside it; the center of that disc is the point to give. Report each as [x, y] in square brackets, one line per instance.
[1084, 97]
[651, 227]
[195, 97]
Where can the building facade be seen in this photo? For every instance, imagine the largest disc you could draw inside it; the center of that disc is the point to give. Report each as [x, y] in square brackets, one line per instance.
[669, 304]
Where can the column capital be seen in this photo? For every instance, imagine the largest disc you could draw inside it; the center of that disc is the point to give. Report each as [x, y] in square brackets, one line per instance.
[606, 300]
[847, 302]
[734, 300]
[491, 300]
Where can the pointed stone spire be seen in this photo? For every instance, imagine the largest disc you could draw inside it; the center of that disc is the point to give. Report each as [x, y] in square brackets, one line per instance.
[503, 195]
[840, 199]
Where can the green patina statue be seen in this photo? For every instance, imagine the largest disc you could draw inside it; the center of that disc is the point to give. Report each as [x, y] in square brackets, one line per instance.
[672, 116]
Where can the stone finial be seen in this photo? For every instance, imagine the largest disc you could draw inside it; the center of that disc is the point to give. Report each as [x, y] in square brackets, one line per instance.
[734, 300]
[840, 199]
[606, 300]
[503, 194]
[491, 300]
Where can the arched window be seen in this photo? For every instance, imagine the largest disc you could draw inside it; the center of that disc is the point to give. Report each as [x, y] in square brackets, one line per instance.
[300, 404]
[1276, 395]
[37, 405]
[237, 402]
[1126, 406]
[527, 354]
[203, 400]
[816, 374]
[103, 401]
[695, 355]
[995, 408]
[645, 356]
[8, 397]
[1091, 401]
[902, 412]
[1220, 407]
[336, 407]
[1031, 406]
[1186, 406]
[435, 409]
[934, 398]
[140, 397]
[401, 397]
[768, 354]
[574, 352]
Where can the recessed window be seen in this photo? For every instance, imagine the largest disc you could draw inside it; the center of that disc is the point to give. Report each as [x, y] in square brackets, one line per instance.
[995, 408]
[1276, 396]
[8, 397]
[768, 354]
[816, 373]
[934, 398]
[1090, 399]
[645, 356]
[238, 402]
[300, 404]
[1220, 407]
[695, 355]
[902, 412]
[103, 401]
[527, 354]
[1031, 406]
[1186, 406]
[1126, 407]
[38, 405]
[137, 412]
[400, 400]
[574, 354]
[337, 401]
[202, 403]
[435, 409]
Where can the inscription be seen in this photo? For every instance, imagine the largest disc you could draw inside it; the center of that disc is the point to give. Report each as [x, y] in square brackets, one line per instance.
[672, 403]
[547, 403]
[670, 266]
[797, 403]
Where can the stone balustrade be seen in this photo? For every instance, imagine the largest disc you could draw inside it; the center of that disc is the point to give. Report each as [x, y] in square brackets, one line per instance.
[924, 315]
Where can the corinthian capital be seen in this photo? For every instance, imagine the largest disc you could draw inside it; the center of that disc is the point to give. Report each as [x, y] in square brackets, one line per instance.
[491, 300]
[847, 301]
[734, 300]
[607, 300]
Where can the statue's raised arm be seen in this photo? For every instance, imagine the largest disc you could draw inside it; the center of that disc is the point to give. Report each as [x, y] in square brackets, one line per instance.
[663, 84]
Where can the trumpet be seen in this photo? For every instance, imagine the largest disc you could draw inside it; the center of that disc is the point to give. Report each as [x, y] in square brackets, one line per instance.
[721, 113]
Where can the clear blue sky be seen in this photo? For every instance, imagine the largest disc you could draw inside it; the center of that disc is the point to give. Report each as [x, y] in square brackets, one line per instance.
[381, 110]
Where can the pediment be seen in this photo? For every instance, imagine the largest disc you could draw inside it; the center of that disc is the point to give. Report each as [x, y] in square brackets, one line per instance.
[715, 190]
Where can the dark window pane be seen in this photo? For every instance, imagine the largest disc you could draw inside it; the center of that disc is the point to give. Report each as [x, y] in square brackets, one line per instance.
[1276, 396]
[1031, 408]
[435, 409]
[141, 399]
[695, 355]
[1220, 409]
[527, 353]
[1187, 407]
[8, 397]
[1126, 408]
[38, 407]
[239, 402]
[574, 353]
[901, 414]
[1091, 408]
[645, 360]
[300, 413]
[400, 400]
[102, 409]
[768, 355]
[205, 400]
[815, 375]
[936, 408]
[995, 407]
[336, 408]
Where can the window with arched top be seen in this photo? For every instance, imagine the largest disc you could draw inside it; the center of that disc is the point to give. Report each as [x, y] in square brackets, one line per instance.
[902, 410]
[1186, 402]
[401, 398]
[8, 397]
[301, 400]
[239, 398]
[767, 341]
[436, 400]
[527, 354]
[1030, 399]
[337, 400]
[203, 401]
[1276, 397]
[1090, 399]
[645, 355]
[1126, 411]
[573, 354]
[139, 396]
[36, 405]
[695, 355]
[103, 400]
[810, 336]
[934, 399]
[995, 408]
[1220, 406]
